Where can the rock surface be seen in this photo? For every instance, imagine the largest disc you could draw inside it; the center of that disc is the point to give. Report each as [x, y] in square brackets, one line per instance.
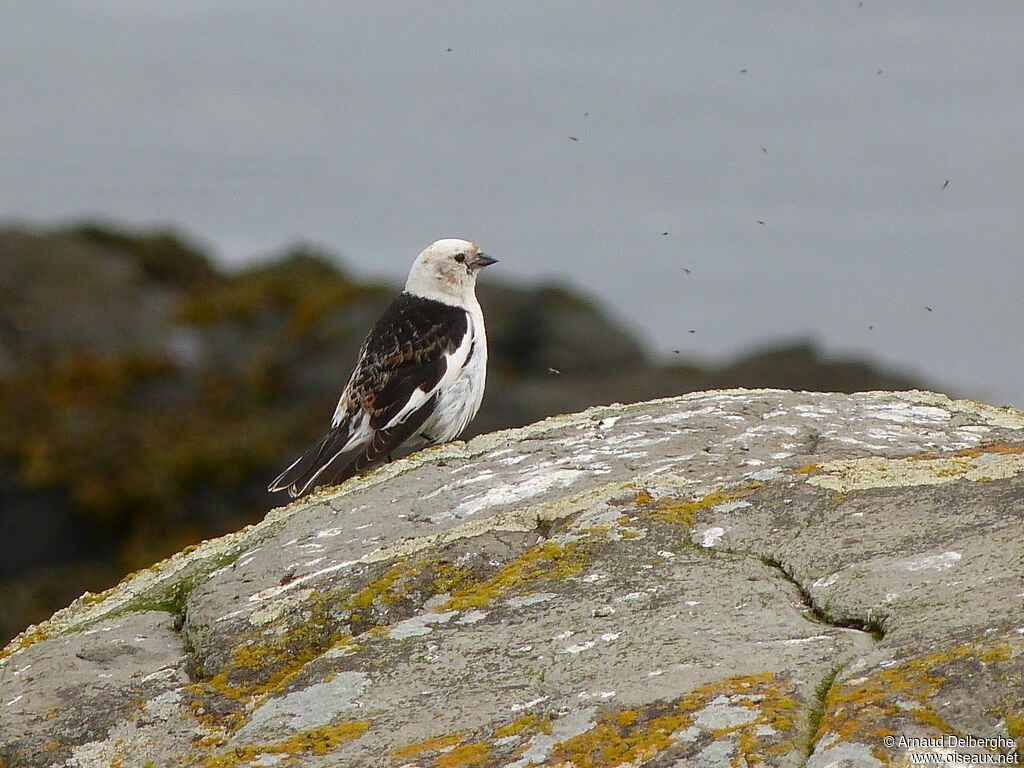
[724, 578]
[150, 412]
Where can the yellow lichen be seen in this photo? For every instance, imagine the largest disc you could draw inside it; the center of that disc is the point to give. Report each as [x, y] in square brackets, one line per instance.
[1015, 725]
[846, 475]
[997, 448]
[378, 589]
[998, 653]
[432, 744]
[410, 581]
[633, 736]
[516, 726]
[317, 741]
[807, 469]
[29, 637]
[685, 512]
[625, 717]
[545, 561]
[857, 711]
[643, 498]
[265, 662]
[464, 756]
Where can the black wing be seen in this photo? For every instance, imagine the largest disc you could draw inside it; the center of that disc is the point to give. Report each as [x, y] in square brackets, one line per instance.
[382, 443]
[406, 350]
[305, 470]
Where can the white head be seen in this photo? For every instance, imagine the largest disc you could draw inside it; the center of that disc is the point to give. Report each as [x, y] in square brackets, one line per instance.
[446, 271]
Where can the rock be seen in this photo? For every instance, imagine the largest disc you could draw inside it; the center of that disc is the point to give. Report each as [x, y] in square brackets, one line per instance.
[151, 411]
[63, 294]
[531, 331]
[799, 364]
[724, 578]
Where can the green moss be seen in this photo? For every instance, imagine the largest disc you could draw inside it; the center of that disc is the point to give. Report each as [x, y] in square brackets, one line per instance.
[821, 691]
[170, 598]
[878, 703]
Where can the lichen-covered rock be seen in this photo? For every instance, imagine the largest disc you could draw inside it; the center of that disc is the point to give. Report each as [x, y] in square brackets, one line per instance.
[725, 578]
[149, 412]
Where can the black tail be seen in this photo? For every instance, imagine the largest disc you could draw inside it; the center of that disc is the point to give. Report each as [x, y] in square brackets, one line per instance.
[303, 472]
[321, 461]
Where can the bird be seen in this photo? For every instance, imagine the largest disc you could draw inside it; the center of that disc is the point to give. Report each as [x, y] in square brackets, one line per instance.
[419, 375]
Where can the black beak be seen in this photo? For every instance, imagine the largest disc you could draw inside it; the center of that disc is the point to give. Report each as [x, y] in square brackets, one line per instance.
[483, 260]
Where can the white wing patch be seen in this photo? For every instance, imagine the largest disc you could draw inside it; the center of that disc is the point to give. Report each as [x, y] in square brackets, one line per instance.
[455, 361]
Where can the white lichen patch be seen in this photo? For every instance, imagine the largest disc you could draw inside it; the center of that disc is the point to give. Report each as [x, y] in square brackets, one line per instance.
[765, 475]
[878, 472]
[562, 729]
[513, 492]
[716, 753]
[528, 704]
[682, 415]
[941, 562]
[906, 414]
[802, 640]
[725, 712]
[306, 708]
[826, 581]
[842, 753]
[1007, 417]
[710, 536]
[579, 647]
[521, 601]
[730, 506]
[420, 624]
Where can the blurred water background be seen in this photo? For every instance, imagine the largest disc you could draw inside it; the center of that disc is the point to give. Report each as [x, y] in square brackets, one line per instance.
[682, 196]
[566, 138]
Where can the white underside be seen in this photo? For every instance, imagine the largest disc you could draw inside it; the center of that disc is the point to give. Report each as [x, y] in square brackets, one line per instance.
[459, 400]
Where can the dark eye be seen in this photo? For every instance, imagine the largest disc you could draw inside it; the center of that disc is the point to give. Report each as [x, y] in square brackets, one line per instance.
[460, 258]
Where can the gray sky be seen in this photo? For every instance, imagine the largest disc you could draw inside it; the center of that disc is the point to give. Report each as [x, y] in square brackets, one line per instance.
[254, 124]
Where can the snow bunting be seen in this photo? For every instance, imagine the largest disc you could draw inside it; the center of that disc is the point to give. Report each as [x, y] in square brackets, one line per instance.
[420, 372]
